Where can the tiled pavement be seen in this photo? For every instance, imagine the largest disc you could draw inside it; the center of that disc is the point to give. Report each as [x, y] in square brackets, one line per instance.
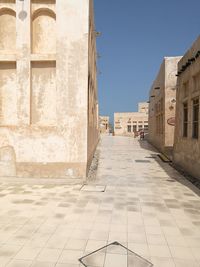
[147, 206]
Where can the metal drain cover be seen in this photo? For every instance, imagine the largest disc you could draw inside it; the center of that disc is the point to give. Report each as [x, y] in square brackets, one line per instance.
[116, 255]
[171, 181]
[142, 161]
[93, 188]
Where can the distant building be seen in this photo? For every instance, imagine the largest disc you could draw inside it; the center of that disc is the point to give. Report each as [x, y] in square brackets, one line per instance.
[48, 88]
[187, 133]
[104, 124]
[130, 123]
[143, 107]
[162, 106]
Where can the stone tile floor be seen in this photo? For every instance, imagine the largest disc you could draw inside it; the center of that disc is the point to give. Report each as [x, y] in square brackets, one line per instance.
[147, 206]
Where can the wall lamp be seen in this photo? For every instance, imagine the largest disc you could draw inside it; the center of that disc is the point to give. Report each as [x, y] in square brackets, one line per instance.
[97, 34]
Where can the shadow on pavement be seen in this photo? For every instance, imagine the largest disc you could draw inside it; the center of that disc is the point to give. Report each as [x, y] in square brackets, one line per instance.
[173, 173]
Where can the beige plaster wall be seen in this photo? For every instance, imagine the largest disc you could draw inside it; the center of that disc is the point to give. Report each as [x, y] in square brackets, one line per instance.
[43, 93]
[163, 105]
[45, 80]
[93, 108]
[8, 33]
[8, 93]
[187, 149]
[43, 31]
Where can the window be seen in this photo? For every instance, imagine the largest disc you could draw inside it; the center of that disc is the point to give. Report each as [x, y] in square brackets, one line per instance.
[185, 89]
[129, 128]
[146, 127]
[195, 124]
[196, 80]
[140, 127]
[134, 128]
[185, 119]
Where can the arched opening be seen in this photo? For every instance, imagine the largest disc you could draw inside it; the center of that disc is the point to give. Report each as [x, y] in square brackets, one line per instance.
[7, 30]
[43, 31]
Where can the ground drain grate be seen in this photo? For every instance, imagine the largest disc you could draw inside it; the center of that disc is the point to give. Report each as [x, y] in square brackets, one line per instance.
[114, 254]
[142, 161]
[171, 181]
[151, 157]
[93, 188]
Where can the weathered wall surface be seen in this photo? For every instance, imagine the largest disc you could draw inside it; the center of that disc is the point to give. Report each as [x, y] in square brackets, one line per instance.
[93, 112]
[45, 103]
[162, 105]
[171, 65]
[187, 148]
[8, 93]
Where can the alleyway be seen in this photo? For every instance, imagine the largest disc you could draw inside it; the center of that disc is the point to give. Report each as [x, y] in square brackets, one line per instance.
[147, 206]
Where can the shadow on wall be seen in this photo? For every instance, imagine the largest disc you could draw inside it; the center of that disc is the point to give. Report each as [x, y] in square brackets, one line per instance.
[7, 161]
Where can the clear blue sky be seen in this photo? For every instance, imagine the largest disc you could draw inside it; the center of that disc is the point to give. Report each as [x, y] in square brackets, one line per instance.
[136, 35]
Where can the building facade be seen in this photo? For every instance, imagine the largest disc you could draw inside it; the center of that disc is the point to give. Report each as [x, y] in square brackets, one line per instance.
[104, 124]
[162, 106]
[130, 123]
[187, 133]
[48, 88]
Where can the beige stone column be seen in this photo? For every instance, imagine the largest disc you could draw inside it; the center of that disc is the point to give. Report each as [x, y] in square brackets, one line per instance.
[71, 75]
[23, 25]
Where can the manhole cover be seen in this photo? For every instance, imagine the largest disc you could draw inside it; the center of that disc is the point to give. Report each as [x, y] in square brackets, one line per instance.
[142, 161]
[171, 181]
[116, 255]
[93, 188]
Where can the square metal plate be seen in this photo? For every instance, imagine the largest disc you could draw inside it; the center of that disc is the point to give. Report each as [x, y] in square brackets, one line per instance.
[93, 188]
[142, 161]
[114, 254]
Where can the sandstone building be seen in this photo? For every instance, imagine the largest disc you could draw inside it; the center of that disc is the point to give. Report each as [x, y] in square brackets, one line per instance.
[104, 124]
[187, 133]
[130, 123]
[162, 106]
[48, 88]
